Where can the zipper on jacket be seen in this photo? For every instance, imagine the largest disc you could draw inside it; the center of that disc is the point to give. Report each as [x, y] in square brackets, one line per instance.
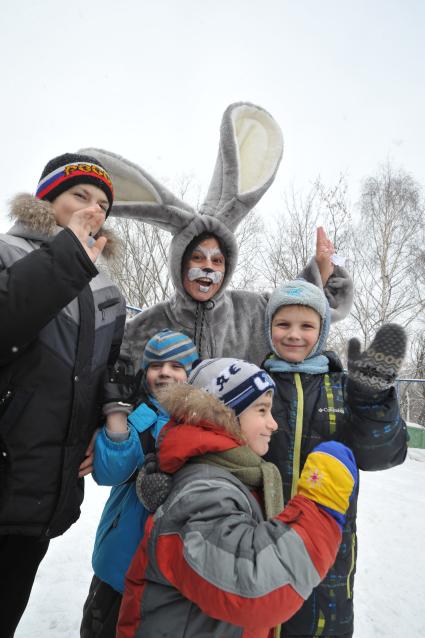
[298, 433]
[5, 399]
[331, 404]
[107, 304]
[320, 625]
[353, 547]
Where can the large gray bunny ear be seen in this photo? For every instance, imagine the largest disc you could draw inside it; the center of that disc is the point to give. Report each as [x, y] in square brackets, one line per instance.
[251, 147]
[138, 195]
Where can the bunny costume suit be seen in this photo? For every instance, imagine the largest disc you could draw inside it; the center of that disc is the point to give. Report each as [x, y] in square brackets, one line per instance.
[232, 322]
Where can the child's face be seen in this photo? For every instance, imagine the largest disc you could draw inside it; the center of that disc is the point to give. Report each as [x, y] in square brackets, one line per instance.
[163, 373]
[257, 424]
[295, 331]
[76, 198]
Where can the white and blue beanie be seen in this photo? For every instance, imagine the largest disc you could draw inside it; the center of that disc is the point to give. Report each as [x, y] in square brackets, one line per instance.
[301, 293]
[235, 382]
[168, 345]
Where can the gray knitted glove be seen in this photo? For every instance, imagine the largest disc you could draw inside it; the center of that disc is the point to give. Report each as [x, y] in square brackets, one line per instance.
[377, 368]
[152, 485]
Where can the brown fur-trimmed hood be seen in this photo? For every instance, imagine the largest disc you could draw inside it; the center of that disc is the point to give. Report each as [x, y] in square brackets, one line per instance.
[200, 424]
[37, 216]
[193, 406]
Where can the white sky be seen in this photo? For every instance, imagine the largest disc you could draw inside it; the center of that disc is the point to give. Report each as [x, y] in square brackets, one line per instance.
[151, 79]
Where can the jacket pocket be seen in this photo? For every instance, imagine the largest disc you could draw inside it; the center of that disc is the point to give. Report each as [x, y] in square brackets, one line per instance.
[5, 399]
[12, 403]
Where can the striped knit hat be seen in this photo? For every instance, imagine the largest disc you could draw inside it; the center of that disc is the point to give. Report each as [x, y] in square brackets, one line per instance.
[168, 345]
[70, 169]
[235, 382]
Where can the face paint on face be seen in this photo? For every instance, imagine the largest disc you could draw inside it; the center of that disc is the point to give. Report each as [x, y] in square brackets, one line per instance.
[204, 270]
[204, 273]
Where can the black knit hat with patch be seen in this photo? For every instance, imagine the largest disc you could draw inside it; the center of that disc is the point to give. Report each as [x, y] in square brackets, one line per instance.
[70, 169]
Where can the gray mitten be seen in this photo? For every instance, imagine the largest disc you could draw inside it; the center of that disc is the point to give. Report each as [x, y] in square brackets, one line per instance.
[152, 485]
[377, 368]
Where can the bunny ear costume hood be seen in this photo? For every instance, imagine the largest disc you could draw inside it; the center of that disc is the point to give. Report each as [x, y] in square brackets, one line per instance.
[232, 322]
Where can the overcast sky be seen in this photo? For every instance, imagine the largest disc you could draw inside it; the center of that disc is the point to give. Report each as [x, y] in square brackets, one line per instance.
[150, 79]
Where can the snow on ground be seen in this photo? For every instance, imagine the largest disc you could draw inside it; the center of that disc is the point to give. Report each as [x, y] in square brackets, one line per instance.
[390, 579]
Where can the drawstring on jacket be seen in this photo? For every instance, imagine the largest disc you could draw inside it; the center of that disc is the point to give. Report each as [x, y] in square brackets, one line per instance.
[201, 306]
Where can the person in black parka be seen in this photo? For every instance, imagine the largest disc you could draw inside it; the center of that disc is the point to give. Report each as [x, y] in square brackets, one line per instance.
[61, 324]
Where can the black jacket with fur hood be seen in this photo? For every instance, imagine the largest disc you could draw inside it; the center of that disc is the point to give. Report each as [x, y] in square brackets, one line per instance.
[61, 323]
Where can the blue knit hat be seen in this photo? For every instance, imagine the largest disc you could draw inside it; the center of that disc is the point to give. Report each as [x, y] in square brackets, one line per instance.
[168, 345]
[235, 382]
[301, 293]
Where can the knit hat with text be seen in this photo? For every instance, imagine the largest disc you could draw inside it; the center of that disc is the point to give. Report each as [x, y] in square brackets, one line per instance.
[69, 169]
[235, 382]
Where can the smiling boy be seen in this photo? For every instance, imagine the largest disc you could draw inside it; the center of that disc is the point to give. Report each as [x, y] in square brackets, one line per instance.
[129, 434]
[210, 564]
[314, 401]
[61, 324]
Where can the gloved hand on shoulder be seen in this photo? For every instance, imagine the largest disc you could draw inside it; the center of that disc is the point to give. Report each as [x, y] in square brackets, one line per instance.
[329, 478]
[376, 368]
[152, 485]
[121, 387]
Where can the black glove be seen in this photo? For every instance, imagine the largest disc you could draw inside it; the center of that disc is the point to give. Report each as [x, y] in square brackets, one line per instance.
[152, 485]
[377, 368]
[121, 387]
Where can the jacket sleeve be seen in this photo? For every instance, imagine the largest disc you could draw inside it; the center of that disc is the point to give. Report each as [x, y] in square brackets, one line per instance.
[254, 575]
[114, 462]
[338, 289]
[377, 434]
[36, 287]
[118, 333]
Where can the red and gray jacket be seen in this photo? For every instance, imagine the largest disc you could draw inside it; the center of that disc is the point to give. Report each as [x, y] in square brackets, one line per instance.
[61, 323]
[209, 564]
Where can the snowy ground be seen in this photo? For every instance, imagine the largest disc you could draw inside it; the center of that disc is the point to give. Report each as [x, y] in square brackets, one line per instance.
[390, 581]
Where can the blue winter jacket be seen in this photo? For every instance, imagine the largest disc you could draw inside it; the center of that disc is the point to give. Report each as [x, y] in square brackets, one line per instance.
[123, 518]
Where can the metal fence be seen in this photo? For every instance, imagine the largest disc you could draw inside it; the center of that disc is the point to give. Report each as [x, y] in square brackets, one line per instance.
[411, 394]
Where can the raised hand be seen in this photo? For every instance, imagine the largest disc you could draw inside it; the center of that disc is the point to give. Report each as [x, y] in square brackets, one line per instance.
[329, 478]
[86, 222]
[324, 251]
[377, 367]
[121, 387]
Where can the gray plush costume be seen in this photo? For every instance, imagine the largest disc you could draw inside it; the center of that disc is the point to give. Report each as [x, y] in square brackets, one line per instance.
[232, 323]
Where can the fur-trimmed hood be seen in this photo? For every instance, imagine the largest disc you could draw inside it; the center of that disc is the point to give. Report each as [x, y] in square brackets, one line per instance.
[35, 220]
[200, 423]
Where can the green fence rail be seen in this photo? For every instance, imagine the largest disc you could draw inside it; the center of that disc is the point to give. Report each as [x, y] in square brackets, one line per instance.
[416, 436]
